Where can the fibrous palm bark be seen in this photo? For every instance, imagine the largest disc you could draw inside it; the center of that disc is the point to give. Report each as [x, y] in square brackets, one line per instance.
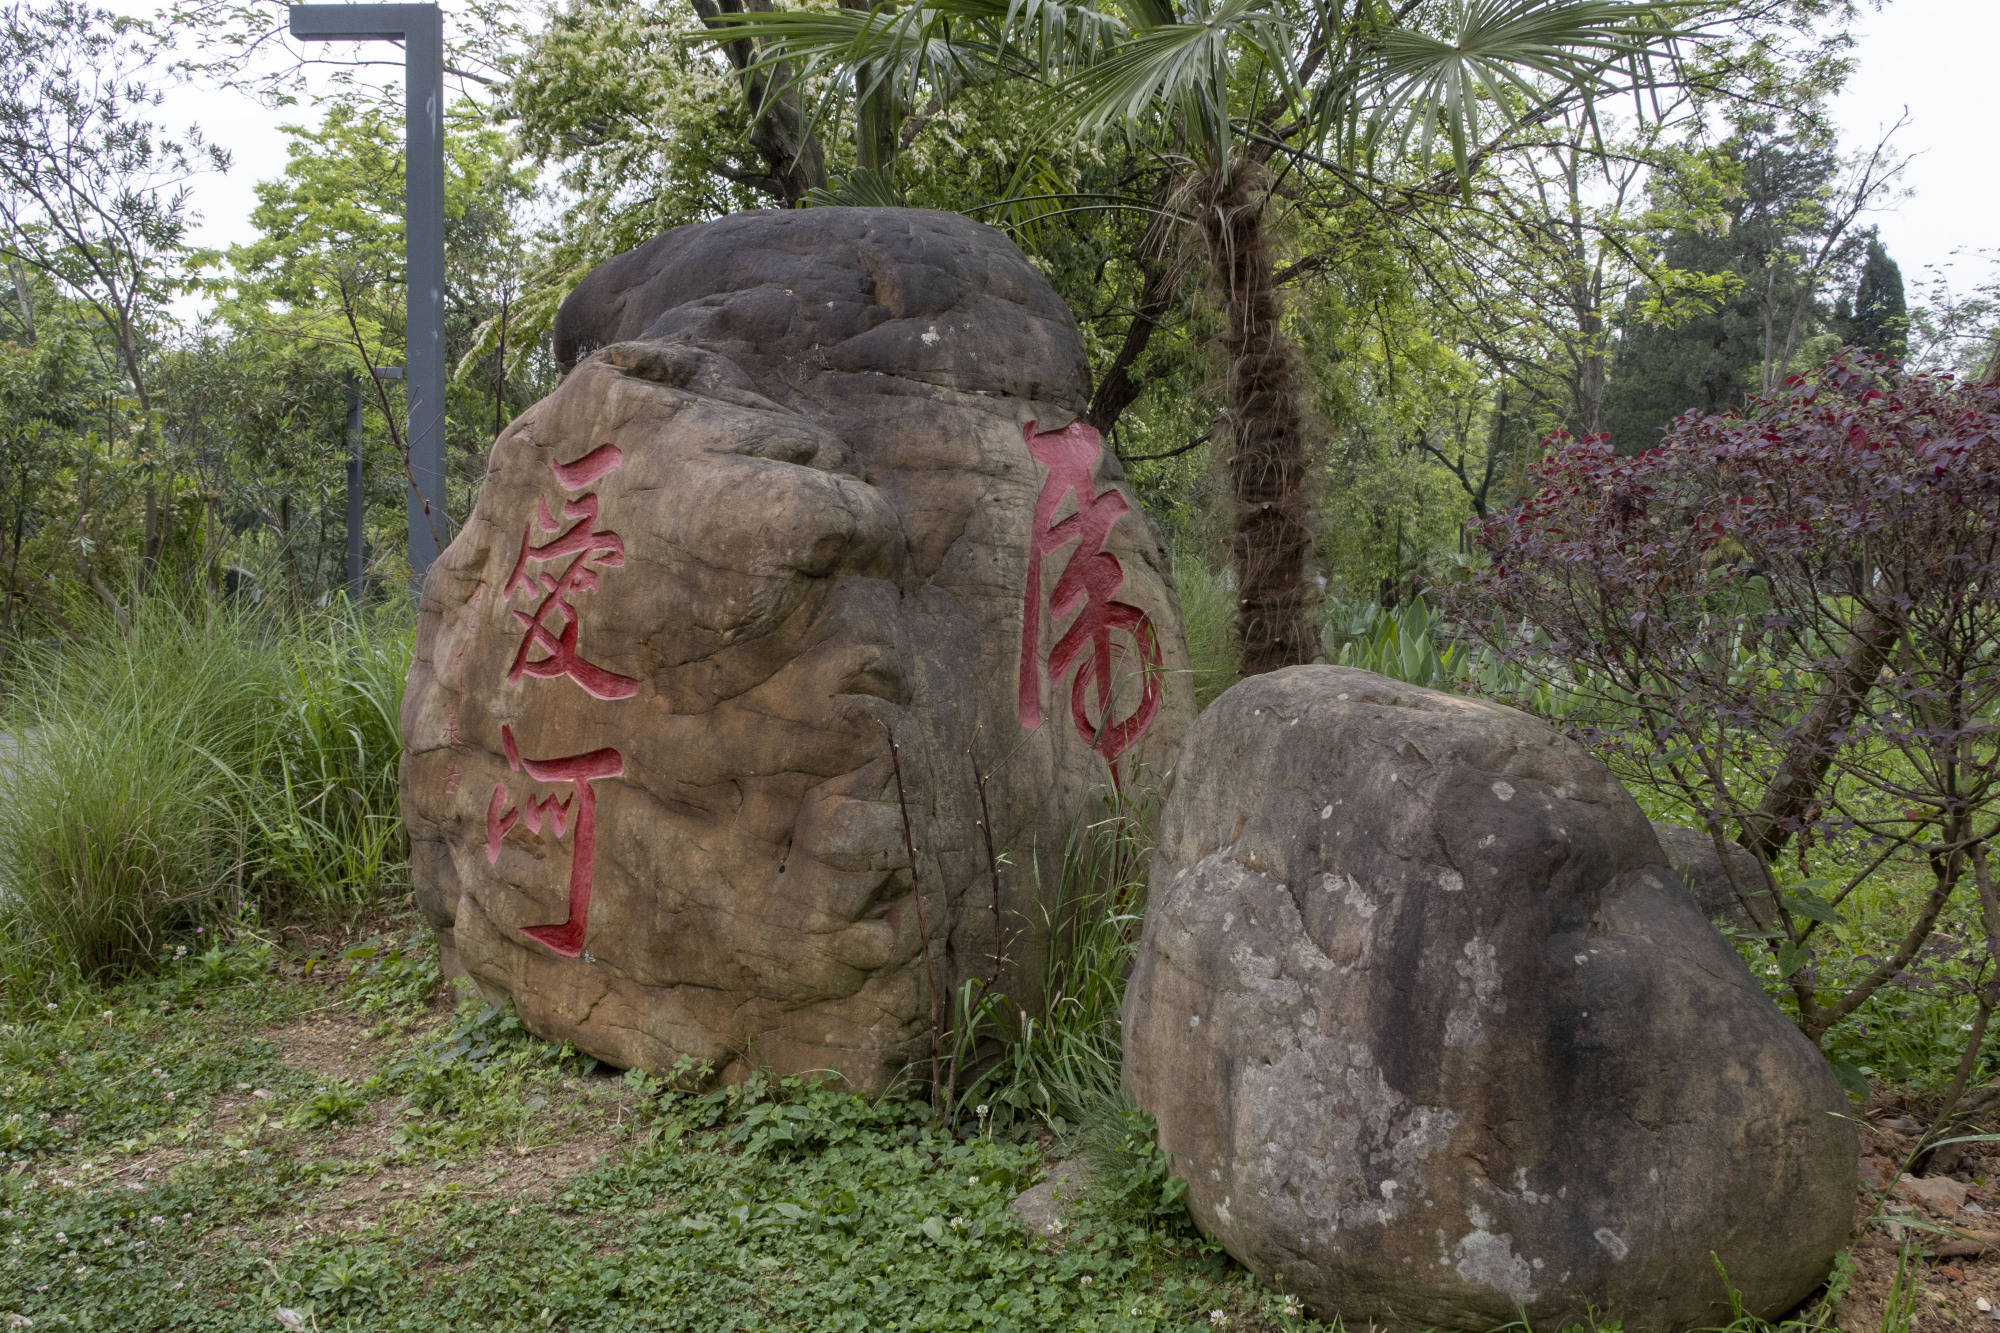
[1271, 539]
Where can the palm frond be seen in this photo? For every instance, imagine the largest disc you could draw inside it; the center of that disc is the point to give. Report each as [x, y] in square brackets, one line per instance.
[1180, 71]
[1485, 61]
[931, 48]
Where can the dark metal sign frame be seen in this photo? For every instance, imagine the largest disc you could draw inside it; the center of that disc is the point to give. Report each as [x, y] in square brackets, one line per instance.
[421, 30]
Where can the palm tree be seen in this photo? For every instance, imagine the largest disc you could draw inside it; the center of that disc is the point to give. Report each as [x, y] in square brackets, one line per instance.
[1230, 95]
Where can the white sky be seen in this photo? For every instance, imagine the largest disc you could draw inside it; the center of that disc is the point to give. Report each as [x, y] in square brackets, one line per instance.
[1931, 58]
[1935, 59]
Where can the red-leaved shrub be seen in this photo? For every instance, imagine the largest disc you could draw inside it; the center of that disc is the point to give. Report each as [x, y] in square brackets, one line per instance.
[1788, 617]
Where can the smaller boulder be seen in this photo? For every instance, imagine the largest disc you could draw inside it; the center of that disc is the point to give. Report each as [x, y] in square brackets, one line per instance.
[1045, 1206]
[1436, 1038]
[1691, 852]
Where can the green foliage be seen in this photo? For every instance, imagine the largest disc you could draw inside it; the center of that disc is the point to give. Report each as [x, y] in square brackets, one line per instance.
[397, 977]
[123, 1071]
[330, 1105]
[1881, 313]
[319, 798]
[117, 833]
[1208, 614]
[608, 95]
[484, 1081]
[1061, 1059]
[187, 771]
[1754, 238]
[1134, 1177]
[1405, 645]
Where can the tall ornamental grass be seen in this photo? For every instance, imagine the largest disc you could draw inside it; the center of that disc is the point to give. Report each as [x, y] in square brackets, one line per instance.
[1208, 611]
[205, 765]
[1060, 1056]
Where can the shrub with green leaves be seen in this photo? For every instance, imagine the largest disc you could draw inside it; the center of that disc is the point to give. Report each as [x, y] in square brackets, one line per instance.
[192, 767]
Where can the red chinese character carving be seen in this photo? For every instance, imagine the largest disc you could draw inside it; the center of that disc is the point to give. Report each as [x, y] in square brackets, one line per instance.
[575, 817]
[587, 549]
[1086, 586]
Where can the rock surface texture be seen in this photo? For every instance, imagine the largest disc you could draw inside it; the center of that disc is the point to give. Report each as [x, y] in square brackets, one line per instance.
[1435, 1038]
[811, 479]
[1691, 853]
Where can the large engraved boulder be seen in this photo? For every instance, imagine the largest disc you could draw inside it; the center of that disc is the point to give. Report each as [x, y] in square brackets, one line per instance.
[812, 480]
[1436, 1038]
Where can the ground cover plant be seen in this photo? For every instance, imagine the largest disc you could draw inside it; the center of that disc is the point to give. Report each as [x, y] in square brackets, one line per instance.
[318, 1130]
[321, 1129]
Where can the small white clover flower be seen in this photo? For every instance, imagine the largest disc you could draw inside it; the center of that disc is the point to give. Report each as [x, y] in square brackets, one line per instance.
[61, 1239]
[980, 1110]
[157, 1220]
[52, 1009]
[1083, 1281]
[1217, 1318]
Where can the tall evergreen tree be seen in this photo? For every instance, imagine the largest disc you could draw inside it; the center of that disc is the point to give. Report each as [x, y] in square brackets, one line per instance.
[1881, 315]
[1743, 281]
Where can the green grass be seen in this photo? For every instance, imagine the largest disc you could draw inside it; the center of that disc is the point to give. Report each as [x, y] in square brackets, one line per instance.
[201, 766]
[1208, 612]
[320, 797]
[455, 1172]
[409, 1195]
[1059, 1060]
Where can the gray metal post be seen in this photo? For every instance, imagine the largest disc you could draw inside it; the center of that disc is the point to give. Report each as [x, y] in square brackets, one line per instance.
[421, 30]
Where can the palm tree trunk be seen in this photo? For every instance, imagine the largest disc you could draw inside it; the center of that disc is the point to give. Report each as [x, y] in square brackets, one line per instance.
[1272, 540]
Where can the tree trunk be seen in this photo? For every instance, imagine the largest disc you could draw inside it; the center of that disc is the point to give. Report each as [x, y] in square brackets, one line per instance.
[19, 273]
[295, 592]
[874, 115]
[1802, 773]
[1272, 541]
[779, 130]
[1590, 373]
